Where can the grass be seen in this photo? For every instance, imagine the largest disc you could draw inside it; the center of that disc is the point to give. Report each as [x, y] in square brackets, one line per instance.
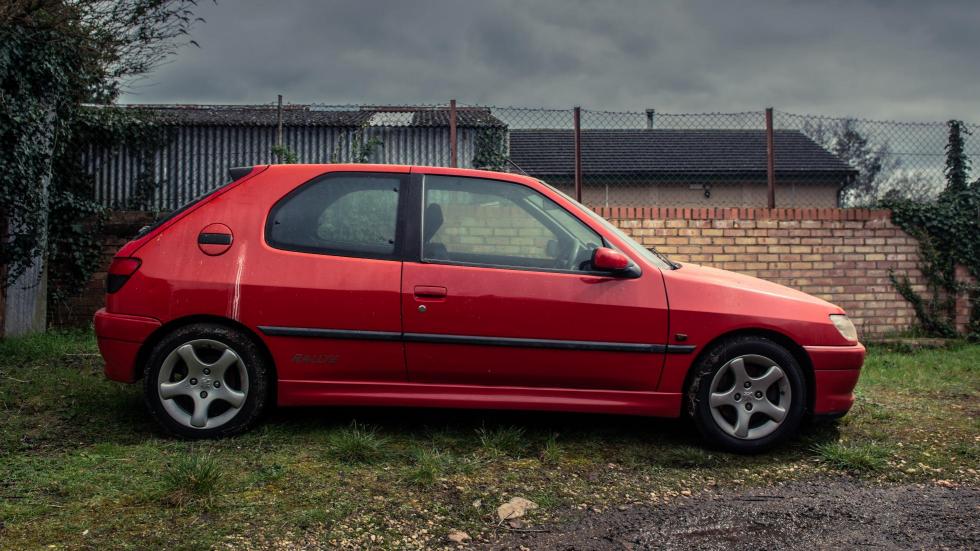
[430, 466]
[863, 457]
[356, 444]
[551, 452]
[195, 477]
[83, 466]
[502, 441]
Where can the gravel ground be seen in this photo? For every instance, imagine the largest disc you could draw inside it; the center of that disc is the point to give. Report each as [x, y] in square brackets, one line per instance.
[800, 515]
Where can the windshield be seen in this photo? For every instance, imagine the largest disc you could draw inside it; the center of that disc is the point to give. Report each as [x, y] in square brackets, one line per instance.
[652, 255]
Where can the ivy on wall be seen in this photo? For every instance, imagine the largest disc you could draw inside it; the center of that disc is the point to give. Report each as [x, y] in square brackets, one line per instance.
[35, 99]
[490, 148]
[948, 231]
[75, 218]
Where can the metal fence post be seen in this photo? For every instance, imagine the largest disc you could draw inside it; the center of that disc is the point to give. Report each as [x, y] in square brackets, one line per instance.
[770, 160]
[279, 123]
[578, 154]
[452, 133]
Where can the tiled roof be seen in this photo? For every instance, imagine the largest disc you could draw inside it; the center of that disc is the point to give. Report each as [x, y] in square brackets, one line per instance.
[664, 151]
[307, 115]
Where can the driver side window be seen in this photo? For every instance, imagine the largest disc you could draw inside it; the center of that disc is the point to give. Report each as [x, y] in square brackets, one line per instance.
[493, 223]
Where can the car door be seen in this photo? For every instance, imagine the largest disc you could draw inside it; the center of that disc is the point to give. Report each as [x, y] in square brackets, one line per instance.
[502, 294]
[330, 292]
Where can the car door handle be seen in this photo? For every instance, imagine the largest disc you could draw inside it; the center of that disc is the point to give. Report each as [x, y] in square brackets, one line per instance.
[430, 291]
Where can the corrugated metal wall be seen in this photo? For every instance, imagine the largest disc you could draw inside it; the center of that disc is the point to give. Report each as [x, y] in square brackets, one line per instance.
[196, 159]
[25, 306]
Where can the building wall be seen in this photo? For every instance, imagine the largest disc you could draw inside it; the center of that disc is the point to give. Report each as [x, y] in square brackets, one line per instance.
[841, 255]
[196, 159]
[606, 192]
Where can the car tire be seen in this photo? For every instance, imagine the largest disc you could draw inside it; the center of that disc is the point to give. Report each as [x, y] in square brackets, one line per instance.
[747, 394]
[211, 368]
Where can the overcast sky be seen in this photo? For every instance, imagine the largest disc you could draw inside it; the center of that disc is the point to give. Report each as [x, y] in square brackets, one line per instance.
[908, 60]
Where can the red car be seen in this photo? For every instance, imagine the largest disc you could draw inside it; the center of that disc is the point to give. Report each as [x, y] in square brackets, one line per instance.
[381, 285]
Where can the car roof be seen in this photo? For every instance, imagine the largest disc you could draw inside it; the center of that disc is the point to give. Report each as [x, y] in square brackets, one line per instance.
[402, 169]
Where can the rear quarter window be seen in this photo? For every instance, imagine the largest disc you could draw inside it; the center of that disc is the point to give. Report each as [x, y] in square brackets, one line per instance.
[339, 214]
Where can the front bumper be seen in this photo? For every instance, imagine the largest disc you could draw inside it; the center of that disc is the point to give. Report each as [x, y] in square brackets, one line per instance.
[835, 371]
[120, 337]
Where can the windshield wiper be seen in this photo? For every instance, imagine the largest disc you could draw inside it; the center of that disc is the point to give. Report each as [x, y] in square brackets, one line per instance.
[673, 265]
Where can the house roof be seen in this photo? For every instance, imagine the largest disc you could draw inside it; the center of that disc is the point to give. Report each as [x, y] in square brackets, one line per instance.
[667, 152]
[311, 115]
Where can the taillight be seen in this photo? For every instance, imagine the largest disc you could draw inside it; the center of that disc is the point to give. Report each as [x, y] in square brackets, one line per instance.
[120, 271]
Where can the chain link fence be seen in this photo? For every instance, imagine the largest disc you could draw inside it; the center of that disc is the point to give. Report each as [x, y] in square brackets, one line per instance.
[647, 158]
[608, 158]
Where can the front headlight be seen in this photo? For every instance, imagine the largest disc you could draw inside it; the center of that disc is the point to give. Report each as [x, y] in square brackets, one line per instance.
[845, 326]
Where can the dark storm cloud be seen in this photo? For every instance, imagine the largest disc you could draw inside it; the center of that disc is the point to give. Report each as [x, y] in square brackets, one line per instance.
[901, 60]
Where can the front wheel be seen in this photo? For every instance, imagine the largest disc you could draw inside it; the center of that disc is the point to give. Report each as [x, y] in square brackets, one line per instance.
[747, 395]
[205, 381]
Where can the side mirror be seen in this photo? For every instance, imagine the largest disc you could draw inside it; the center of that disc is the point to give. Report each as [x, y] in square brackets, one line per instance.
[607, 260]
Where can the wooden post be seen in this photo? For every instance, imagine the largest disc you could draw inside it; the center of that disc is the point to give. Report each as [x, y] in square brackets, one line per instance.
[453, 161]
[578, 154]
[770, 159]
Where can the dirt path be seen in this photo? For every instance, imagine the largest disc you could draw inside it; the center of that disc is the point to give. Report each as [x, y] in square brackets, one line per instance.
[800, 515]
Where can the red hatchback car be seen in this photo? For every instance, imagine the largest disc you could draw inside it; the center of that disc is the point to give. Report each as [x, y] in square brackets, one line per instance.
[385, 285]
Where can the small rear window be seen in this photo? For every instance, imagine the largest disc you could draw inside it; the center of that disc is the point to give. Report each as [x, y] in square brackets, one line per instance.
[342, 214]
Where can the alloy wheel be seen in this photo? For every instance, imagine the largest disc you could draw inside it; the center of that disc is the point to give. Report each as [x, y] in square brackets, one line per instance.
[750, 397]
[202, 384]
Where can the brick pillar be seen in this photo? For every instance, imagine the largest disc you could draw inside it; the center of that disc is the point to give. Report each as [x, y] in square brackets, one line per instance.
[963, 305]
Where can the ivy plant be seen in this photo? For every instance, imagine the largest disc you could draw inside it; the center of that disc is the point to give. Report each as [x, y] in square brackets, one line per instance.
[56, 56]
[490, 148]
[948, 231]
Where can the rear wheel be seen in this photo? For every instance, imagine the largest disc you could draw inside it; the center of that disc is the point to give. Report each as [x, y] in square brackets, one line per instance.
[206, 381]
[747, 395]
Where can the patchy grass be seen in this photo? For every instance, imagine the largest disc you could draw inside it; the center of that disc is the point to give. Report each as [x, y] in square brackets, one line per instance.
[430, 466]
[502, 441]
[83, 466]
[551, 452]
[195, 477]
[866, 457]
[356, 444]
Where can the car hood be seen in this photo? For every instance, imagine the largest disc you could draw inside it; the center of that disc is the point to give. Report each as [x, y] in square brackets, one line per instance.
[740, 287]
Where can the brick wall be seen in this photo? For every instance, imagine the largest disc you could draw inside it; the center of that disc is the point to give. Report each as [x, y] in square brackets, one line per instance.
[841, 255]
[689, 191]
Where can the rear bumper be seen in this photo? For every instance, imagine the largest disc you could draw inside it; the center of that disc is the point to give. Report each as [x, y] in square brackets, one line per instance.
[835, 372]
[120, 338]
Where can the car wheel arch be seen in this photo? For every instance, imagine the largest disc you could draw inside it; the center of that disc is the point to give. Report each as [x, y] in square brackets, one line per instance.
[781, 339]
[151, 341]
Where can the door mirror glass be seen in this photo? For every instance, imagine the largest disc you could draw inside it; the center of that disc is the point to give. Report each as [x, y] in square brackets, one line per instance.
[608, 260]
